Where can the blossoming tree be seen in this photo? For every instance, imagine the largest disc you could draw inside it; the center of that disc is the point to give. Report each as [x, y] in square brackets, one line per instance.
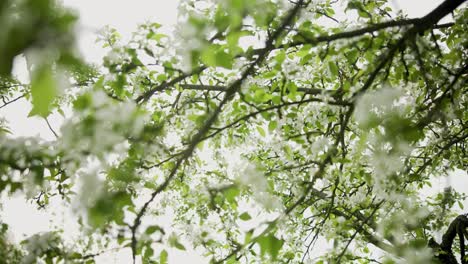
[266, 131]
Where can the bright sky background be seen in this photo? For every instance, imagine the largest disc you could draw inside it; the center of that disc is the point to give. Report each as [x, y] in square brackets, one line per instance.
[124, 15]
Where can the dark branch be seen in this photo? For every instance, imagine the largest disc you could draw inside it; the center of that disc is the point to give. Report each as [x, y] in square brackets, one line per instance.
[12, 100]
[147, 95]
[221, 88]
[444, 250]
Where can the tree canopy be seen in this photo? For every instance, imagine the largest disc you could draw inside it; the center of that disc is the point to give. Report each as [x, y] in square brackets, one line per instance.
[260, 131]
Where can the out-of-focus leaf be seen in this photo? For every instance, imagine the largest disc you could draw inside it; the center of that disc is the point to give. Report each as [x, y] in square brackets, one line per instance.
[43, 91]
[270, 245]
[245, 216]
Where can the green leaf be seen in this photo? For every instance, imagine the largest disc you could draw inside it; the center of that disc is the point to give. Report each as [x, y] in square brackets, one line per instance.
[261, 131]
[161, 77]
[152, 229]
[224, 59]
[272, 125]
[43, 91]
[149, 252]
[215, 56]
[363, 14]
[163, 257]
[289, 255]
[232, 260]
[174, 242]
[248, 236]
[109, 207]
[270, 245]
[208, 56]
[231, 193]
[221, 20]
[276, 99]
[329, 11]
[333, 68]
[280, 57]
[179, 245]
[288, 150]
[353, 55]
[157, 36]
[245, 216]
[82, 102]
[233, 38]
[365, 250]
[38, 174]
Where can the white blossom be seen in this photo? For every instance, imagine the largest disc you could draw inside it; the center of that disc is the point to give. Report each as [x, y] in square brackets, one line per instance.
[37, 244]
[417, 256]
[376, 102]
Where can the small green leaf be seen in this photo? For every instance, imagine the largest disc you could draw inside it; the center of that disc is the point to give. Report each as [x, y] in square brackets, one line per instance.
[365, 250]
[179, 245]
[43, 91]
[276, 99]
[270, 245]
[289, 255]
[289, 153]
[248, 236]
[245, 216]
[153, 228]
[329, 11]
[231, 193]
[38, 175]
[216, 57]
[363, 14]
[280, 57]
[174, 242]
[220, 20]
[161, 77]
[346, 86]
[208, 56]
[157, 36]
[232, 260]
[149, 252]
[272, 125]
[224, 59]
[163, 257]
[353, 55]
[261, 131]
[333, 68]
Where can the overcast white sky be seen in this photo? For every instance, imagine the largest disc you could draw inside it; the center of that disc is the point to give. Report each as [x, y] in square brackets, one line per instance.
[124, 15]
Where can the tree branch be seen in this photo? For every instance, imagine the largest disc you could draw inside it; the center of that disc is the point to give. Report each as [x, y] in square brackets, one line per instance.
[221, 88]
[12, 100]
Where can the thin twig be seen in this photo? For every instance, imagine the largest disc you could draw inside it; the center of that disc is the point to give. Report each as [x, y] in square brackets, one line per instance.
[50, 127]
[13, 100]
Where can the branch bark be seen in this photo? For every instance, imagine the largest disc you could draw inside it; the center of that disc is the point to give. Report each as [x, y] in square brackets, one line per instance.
[443, 251]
